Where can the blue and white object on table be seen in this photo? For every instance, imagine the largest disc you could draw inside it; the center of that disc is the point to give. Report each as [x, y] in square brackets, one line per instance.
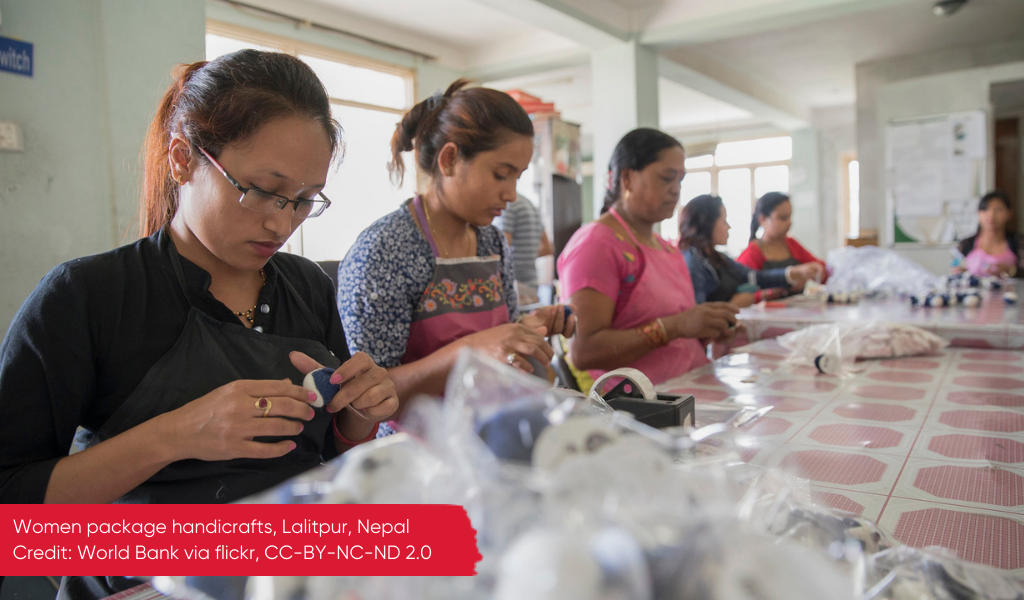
[1010, 297]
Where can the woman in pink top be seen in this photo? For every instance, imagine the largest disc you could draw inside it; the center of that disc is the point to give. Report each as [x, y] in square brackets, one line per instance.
[993, 251]
[631, 289]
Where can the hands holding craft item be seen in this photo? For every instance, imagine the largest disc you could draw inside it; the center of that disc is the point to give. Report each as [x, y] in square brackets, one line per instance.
[511, 343]
[798, 275]
[365, 389]
[708, 321]
[222, 425]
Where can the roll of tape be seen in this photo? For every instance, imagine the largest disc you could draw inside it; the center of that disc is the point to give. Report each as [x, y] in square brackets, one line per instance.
[634, 376]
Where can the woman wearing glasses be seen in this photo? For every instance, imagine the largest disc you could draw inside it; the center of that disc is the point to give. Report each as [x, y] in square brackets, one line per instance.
[178, 355]
[435, 276]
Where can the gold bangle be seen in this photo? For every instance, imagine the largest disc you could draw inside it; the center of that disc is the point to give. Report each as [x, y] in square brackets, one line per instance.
[653, 332]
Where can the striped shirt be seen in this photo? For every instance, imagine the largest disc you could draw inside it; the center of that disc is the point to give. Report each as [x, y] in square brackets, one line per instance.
[521, 220]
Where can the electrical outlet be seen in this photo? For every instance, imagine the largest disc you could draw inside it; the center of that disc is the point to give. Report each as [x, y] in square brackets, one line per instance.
[10, 137]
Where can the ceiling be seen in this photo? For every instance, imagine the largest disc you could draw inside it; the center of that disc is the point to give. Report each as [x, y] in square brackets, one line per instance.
[815, 63]
[802, 51]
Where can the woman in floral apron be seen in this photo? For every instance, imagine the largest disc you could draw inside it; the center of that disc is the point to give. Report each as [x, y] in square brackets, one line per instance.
[435, 276]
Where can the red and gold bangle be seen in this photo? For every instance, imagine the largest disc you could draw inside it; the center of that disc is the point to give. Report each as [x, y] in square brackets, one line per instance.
[348, 442]
[654, 332]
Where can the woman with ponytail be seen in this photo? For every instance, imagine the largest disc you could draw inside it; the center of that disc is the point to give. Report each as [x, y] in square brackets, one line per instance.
[632, 288]
[179, 357]
[435, 276]
[718, 278]
[775, 250]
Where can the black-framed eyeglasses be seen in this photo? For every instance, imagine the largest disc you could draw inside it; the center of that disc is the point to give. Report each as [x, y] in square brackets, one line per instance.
[267, 203]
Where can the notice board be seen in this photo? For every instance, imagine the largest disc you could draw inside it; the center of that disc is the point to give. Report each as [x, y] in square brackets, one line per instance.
[935, 173]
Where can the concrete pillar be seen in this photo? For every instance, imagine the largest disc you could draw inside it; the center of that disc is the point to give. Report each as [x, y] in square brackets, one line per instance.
[804, 191]
[625, 96]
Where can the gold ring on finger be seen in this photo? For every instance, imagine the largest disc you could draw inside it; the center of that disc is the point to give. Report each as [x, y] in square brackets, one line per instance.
[264, 405]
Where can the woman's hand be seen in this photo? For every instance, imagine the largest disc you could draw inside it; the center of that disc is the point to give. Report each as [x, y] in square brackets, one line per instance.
[222, 424]
[515, 340]
[704, 321]
[552, 319]
[742, 300]
[801, 274]
[1002, 270]
[365, 387]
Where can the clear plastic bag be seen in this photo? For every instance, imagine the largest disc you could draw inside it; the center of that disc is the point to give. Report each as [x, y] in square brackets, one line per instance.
[629, 513]
[935, 573]
[877, 270]
[860, 340]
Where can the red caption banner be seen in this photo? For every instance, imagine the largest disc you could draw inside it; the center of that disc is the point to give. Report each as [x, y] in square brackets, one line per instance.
[239, 539]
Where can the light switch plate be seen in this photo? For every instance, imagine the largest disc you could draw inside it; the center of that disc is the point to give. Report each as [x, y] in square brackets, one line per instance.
[10, 137]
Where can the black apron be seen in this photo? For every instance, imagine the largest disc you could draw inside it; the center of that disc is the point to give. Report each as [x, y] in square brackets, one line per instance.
[209, 354]
[780, 264]
[728, 282]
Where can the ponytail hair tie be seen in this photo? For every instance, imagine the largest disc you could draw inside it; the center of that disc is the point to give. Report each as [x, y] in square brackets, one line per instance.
[435, 100]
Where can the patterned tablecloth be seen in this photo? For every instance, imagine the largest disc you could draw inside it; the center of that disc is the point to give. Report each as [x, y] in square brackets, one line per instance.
[931, 449]
[994, 324]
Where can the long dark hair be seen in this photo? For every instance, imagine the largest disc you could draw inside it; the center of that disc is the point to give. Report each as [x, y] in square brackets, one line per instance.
[765, 206]
[697, 226]
[474, 119]
[635, 151]
[999, 196]
[213, 104]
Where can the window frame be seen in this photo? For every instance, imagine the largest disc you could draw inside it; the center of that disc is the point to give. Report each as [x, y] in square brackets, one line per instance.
[296, 47]
[714, 170]
[844, 222]
[296, 244]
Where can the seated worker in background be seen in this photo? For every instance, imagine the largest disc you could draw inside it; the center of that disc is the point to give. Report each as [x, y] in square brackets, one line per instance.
[994, 251]
[525, 233]
[435, 276]
[630, 287]
[178, 355]
[775, 250]
[718, 278]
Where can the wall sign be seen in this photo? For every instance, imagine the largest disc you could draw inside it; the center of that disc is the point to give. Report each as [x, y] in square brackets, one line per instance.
[16, 57]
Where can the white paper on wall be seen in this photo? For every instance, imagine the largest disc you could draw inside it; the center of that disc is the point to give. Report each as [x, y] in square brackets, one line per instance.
[918, 189]
[958, 184]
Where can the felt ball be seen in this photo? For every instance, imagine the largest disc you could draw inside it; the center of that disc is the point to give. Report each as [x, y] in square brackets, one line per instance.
[319, 382]
[935, 301]
[840, 298]
[972, 300]
[512, 431]
[1010, 297]
[544, 564]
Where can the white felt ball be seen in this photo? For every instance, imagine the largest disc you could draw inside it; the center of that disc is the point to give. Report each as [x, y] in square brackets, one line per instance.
[1010, 297]
[936, 302]
[972, 301]
[548, 565]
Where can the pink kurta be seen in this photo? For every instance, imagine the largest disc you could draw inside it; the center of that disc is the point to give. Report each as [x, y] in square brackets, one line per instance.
[979, 261]
[645, 283]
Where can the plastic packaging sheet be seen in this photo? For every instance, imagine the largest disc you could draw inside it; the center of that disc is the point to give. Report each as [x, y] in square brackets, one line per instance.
[571, 500]
[878, 270]
[834, 347]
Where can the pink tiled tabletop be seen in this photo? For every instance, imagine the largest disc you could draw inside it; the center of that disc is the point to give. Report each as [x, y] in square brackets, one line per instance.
[930, 448]
[992, 325]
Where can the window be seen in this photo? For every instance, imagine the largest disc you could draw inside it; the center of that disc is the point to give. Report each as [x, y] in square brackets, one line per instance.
[368, 100]
[739, 172]
[851, 197]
